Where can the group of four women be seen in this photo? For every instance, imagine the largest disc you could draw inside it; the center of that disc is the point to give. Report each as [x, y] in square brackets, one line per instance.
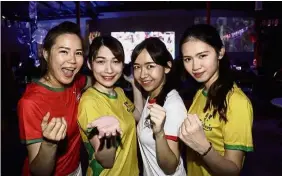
[54, 115]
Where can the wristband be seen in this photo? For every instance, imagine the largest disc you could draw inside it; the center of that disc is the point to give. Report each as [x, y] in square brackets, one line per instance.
[206, 152]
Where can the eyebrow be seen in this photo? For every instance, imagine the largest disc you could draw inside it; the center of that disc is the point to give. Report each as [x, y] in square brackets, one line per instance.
[62, 47]
[147, 63]
[102, 57]
[203, 52]
[67, 48]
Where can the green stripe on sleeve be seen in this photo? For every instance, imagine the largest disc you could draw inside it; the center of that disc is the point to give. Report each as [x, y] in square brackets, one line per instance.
[239, 147]
[31, 141]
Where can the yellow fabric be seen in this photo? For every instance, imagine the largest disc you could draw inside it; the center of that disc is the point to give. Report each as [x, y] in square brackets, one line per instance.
[94, 104]
[235, 134]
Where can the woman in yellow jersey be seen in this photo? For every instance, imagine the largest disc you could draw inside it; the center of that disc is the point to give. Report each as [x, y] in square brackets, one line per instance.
[218, 129]
[108, 155]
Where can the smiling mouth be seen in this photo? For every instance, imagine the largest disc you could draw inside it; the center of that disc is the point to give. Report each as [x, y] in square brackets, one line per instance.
[68, 72]
[108, 78]
[198, 75]
[145, 83]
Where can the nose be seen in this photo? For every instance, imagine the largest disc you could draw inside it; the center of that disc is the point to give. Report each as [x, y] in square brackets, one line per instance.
[144, 73]
[108, 68]
[196, 65]
[72, 59]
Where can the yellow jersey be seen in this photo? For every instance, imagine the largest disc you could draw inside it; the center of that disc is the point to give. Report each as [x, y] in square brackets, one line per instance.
[235, 134]
[94, 104]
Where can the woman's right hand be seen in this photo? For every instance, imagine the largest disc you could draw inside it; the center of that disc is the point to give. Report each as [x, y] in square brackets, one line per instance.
[55, 130]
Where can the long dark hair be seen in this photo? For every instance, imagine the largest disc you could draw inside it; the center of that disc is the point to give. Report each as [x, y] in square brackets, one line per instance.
[218, 91]
[66, 27]
[161, 56]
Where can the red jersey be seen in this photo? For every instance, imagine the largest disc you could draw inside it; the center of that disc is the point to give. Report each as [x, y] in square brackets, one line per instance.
[39, 99]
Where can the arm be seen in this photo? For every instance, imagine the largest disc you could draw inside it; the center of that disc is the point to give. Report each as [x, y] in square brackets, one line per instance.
[138, 99]
[192, 135]
[237, 135]
[42, 156]
[229, 164]
[89, 117]
[167, 153]
[105, 150]
[138, 102]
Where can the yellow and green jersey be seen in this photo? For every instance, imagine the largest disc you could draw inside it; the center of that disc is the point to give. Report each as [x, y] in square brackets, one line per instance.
[94, 104]
[235, 134]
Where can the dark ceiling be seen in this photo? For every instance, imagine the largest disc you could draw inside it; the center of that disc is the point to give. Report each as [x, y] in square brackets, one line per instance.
[48, 10]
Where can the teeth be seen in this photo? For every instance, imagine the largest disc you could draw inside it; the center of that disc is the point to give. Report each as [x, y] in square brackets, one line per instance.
[69, 69]
[145, 82]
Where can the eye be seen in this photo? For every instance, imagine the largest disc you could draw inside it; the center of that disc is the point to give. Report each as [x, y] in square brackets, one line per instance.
[116, 61]
[150, 66]
[80, 53]
[63, 51]
[186, 59]
[135, 67]
[202, 56]
[99, 61]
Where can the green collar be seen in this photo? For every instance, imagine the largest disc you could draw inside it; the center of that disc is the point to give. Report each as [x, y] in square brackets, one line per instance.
[61, 89]
[205, 92]
[108, 95]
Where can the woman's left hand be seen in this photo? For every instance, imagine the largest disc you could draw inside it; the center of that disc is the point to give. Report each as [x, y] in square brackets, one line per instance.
[158, 116]
[193, 135]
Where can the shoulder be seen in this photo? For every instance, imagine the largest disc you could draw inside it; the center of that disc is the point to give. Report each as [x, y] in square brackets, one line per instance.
[119, 90]
[26, 102]
[173, 97]
[89, 95]
[237, 97]
[32, 93]
[174, 102]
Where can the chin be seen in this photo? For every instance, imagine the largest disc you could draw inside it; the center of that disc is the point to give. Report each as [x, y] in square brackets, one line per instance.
[67, 81]
[107, 85]
[200, 80]
[148, 89]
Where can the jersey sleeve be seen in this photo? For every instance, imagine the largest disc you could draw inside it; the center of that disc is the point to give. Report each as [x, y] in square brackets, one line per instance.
[175, 115]
[237, 132]
[80, 81]
[30, 120]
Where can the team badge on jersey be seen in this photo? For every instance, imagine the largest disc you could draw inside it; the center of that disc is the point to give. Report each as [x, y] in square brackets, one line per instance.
[129, 106]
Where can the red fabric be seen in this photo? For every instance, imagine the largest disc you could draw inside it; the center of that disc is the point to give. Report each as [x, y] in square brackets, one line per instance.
[173, 138]
[35, 103]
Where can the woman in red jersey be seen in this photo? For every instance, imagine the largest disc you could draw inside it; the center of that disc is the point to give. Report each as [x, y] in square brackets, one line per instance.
[53, 144]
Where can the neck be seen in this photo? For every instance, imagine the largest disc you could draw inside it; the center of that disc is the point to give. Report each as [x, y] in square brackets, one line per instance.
[157, 91]
[101, 88]
[50, 80]
[211, 81]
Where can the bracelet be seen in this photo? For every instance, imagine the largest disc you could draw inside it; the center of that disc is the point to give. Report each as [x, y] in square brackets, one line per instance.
[209, 149]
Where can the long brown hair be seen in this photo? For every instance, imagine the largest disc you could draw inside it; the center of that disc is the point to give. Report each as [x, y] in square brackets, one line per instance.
[216, 97]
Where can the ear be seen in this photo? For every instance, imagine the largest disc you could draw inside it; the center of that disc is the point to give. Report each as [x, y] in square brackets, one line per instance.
[88, 65]
[45, 54]
[167, 69]
[221, 53]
